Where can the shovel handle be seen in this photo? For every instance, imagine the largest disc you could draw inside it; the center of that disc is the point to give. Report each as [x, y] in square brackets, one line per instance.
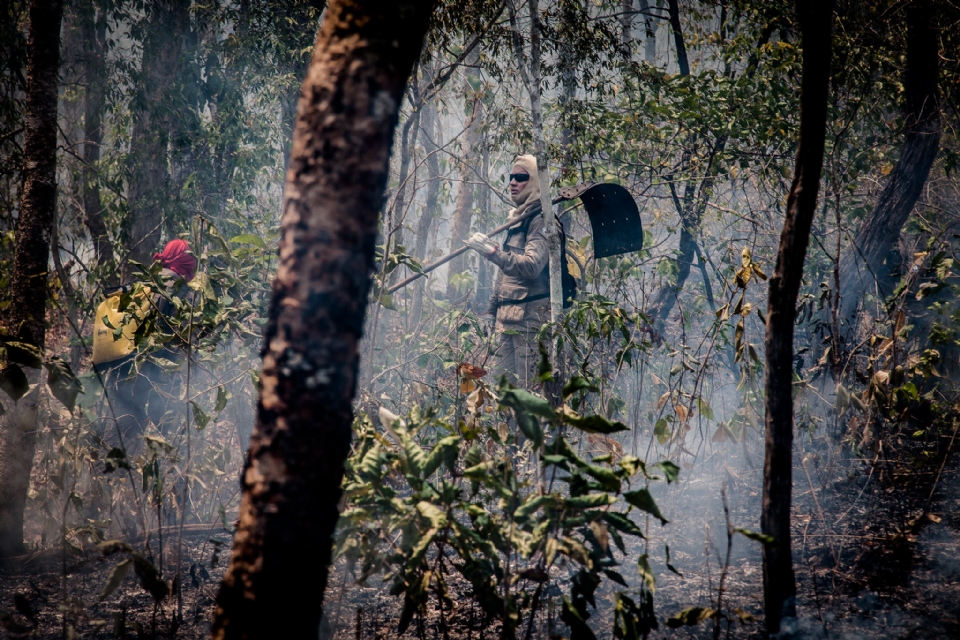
[450, 256]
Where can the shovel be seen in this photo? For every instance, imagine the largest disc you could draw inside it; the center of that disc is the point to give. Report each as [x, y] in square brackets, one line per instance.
[614, 218]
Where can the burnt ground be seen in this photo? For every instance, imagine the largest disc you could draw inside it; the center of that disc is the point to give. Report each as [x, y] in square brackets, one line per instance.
[871, 562]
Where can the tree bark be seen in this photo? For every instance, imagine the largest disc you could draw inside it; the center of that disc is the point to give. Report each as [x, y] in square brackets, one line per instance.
[463, 211]
[682, 63]
[426, 226]
[649, 34]
[863, 263]
[626, 27]
[779, 586]
[530, 72]
[147, 191]
[38, 203]
[334, 191]
[94, 26]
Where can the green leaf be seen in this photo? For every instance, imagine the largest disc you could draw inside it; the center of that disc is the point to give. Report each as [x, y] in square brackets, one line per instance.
[705, 409]
[596, 424]
[416, 458]
[572, 618]
[576, 383]
[544, 368]
[607, 478]
[643, 566]
[691, 617]
[591, 501]
[13, 381]
[249, 238]
[670, 470]
[223, 395]
[521, 400]
[24, 353]
[632, 464]
[530, 426]
[444, 451]
[63, 383]
[662, 430]
[622, 523]
[753, 535]
[532, 504]
[641, 499]
[116, 577]
[199, 416]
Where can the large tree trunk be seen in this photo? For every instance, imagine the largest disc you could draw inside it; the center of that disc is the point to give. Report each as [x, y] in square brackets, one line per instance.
[147, 193]
[335, 182]
[779, 585]
[94, 27]
[26, 316]
[863, 263]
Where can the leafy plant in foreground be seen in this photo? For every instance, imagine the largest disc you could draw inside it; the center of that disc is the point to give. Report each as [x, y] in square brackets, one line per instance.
[438, 510]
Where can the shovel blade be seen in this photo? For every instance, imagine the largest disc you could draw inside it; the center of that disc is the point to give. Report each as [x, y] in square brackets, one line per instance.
[615, 220]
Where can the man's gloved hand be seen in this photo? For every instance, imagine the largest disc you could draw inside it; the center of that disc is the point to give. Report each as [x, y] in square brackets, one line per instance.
[482, 244]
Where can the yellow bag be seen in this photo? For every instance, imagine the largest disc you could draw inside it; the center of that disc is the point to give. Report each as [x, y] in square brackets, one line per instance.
[105, 347]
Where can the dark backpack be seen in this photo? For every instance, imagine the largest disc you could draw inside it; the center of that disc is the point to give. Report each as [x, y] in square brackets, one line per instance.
[568, 281]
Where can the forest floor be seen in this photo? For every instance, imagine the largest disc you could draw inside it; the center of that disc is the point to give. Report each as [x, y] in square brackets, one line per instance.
[877, 554]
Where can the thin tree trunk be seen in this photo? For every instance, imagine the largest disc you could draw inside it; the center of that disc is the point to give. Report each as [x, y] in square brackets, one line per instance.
[682, 63]
[779, 585]
[26, 316]
[530, 72]
[94, 34]
[426, 226]
[147, 192]
[690, 214]
[863, 262]
[463, 211]
[335, 182]
[649, 34]
[626, 27]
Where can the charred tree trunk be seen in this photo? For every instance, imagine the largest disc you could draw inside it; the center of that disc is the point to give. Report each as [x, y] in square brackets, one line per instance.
[94, 26]
[38, 203]
[682, 63]
[779, 585]
[335, 183]
[149, 176]
[863, 262]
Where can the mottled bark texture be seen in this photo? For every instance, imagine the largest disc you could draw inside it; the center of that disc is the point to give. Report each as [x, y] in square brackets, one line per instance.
[863, 263]
[334, 190]
[147, 191]
[38, 202]
[779, 586]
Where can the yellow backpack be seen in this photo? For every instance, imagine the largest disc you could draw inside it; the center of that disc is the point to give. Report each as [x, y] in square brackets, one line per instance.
[107, 347]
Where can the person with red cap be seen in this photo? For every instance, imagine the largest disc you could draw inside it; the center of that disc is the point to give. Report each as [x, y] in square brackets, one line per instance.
[177, 258]
[135, 385]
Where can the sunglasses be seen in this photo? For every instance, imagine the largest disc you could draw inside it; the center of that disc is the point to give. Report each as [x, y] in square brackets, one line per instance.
[520, 177]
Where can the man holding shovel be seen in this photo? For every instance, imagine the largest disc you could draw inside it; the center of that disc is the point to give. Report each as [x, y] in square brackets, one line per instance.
[520, 301]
